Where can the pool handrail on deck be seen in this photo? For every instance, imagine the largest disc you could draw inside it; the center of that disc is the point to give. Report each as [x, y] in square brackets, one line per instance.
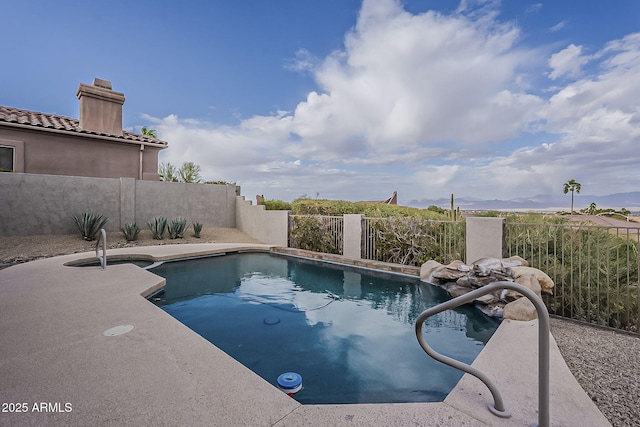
[498, 408]
[103, 259]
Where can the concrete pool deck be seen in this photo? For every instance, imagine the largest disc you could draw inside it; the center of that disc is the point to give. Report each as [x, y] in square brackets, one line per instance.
[57, 364]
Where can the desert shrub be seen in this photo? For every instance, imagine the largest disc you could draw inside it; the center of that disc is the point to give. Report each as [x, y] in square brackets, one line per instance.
[414, 241]
[595, 270]
[131, 231]
[304, 206]
[314, 233]
[176, 227]
[220, 182]
[89, 224]
[276, 205]
[157, 226]
[437, 209]
[197, 228]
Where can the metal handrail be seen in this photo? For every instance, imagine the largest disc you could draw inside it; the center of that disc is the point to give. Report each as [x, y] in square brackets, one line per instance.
[498, 407]
[103, 258]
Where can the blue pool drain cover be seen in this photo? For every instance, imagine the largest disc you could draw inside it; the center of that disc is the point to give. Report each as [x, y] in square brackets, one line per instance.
[290, 382]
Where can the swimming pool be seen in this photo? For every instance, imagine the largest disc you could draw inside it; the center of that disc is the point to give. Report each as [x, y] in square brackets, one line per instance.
[349, 333]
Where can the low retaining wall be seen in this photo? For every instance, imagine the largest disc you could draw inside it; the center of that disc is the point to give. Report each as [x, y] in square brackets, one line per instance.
[270, 227]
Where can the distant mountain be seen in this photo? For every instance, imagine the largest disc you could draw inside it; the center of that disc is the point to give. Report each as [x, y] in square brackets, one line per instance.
[629, 201]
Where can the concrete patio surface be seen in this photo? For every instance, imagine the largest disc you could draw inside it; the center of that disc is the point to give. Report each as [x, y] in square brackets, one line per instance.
[58, 367]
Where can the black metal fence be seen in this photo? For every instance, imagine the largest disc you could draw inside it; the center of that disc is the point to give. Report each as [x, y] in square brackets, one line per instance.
[594, 268]
[413, 241]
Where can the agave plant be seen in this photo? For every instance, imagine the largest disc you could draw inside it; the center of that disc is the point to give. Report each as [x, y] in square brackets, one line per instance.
[157, 226]
[89, 224]
[197, 228]
[131, 231]
[176, 227]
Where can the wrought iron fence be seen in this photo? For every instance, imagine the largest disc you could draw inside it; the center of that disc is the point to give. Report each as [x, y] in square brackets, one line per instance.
[413, 241]
[317, 233]
[594, 268]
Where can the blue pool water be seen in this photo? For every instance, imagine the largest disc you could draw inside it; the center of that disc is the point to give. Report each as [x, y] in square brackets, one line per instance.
[349, 333]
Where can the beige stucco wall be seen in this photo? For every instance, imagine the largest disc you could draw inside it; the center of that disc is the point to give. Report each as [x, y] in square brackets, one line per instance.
[484, 238]
[270, 227]
[210, 204]
[50, 153]
[352, 241]
[33, 204]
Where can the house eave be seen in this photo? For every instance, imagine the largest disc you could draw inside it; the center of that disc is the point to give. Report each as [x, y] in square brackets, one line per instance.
[160, 144]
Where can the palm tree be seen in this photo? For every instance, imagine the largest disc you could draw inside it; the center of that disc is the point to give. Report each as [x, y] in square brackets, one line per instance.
[148, 132]
[572, 185]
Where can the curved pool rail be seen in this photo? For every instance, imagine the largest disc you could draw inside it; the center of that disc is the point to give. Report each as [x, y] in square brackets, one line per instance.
[103, 258]
[498, 407]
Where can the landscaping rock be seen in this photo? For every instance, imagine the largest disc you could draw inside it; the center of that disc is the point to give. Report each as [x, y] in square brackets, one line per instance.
[545, 281]
[520, 309]
[458, 279]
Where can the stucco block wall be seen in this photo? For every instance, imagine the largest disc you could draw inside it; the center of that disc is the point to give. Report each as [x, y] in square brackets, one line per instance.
[352, 241]
[270, 227]
[485, 238]
[45, 204]
[210, 204]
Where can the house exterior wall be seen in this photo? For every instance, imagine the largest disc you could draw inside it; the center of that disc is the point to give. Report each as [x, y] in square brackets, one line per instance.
[45, 152]
[33, 204]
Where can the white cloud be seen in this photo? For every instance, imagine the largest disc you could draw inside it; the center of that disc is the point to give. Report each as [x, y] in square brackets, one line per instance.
[405, 81]
[534, 8]
[303, 61]
[568, 62]
[559, 26]
[429, 105]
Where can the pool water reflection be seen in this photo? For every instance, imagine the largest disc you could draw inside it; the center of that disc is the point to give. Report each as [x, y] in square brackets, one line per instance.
[349, 333]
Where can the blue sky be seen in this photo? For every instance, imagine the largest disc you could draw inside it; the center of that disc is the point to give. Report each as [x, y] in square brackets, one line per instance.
[351, 99]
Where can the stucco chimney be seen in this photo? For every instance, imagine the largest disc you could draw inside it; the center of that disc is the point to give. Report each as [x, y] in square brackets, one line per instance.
[100, 107]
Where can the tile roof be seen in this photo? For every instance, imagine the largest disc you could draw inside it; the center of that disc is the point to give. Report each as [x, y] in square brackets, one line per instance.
[61, 123]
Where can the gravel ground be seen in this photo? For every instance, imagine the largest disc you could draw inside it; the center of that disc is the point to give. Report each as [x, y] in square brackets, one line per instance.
[606, 363]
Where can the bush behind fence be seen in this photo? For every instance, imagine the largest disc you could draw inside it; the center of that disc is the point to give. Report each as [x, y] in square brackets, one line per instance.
[317, 233]
[595, 270]
[414, 241]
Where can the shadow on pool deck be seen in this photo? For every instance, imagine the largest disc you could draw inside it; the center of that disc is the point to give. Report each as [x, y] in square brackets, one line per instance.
[53, 351]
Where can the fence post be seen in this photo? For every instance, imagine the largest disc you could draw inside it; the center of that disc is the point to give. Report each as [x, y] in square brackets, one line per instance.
[352, 236]
[485, 238]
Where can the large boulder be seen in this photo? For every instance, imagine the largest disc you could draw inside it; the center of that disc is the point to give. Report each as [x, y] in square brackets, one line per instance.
[474, 281]
[514, 261]
[528, 281]
[436, 273]
[427, 269]
[453, 271]
[487, 266]
[545, 281]
[520, 309]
